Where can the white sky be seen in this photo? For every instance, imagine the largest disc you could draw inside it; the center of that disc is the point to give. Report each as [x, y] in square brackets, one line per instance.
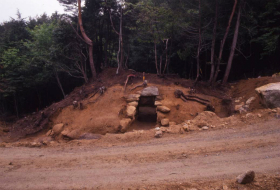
[8, 8]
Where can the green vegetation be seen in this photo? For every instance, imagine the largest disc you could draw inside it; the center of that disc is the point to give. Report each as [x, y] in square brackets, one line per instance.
[44, 58]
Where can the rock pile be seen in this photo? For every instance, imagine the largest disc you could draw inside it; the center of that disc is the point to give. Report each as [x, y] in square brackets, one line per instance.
[243, 107]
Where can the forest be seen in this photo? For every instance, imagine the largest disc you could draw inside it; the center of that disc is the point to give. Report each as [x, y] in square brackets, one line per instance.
[43, 59]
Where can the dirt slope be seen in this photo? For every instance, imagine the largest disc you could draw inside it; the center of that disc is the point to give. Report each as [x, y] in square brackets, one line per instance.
[179, 162]
[245, 89]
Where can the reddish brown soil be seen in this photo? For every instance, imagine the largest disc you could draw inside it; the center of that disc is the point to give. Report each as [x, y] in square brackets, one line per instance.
[246, 89]
[199, 159]
[101, 114]
[204, 160]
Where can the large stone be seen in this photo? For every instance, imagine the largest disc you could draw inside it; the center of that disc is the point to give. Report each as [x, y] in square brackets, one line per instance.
[160, 116]
[186, 127]
[130, 111]
[247, 177]
[158, 134]
[71, 134]
[250, 100]
[158, 103]
[238, 107]
[124, 124]
[135, 104]
[270, 94]
[150, 91]
[164, 122]
[205, 128]
[57, 129]
[132, 97]
[163, 109]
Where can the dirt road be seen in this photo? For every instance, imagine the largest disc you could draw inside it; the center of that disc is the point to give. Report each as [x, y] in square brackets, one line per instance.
[205, 155]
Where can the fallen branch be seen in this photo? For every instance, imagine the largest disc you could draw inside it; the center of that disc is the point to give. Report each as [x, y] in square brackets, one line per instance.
[94, 94]
[144, 84]
[127, 78]
[180, 94]
[101, 91]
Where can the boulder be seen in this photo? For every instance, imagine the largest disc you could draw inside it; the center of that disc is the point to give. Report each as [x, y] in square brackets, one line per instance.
[49, 133]
[186, 127]
[238, 107]
[250, 100]
[247, 177]
[175, 129]
[130, 111]
[205, 128]
[135, 104]
[150, 91]
[158, 134]
[74, 134]
[158, 103]
[270, 94]
[157, 129]
[163, 109]
[57, 129]
[164, 122]
[124, 124]
[160, 116]
[133, 97]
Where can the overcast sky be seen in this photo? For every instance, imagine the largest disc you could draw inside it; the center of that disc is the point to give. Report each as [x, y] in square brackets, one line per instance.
[8, 8]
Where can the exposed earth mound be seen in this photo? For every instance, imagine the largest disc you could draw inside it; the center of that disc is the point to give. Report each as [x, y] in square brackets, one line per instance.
[109, 105]
[164, 134]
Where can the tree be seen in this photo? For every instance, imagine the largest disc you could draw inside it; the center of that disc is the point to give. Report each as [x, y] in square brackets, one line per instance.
[70, 6]
[233, 46]
[223, 42]
[43, 50]
[269, 31]
[154, 25]
[87, 40]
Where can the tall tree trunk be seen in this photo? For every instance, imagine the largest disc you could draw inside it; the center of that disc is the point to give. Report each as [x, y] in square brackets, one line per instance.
[16, 106]
[59, 83]
[127, 57]
[87, 40]
[166, 56]
[120, 51]
[223, 42]
[213, 45]
[156, 56]
[160, 65]
[233, 45]
[121, 33]
[199, 44]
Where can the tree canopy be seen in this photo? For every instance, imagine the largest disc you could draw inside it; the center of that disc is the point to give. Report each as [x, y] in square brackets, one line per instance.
[44, 58]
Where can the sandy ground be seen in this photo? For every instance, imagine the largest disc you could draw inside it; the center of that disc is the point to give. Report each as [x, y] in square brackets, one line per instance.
[200, 160]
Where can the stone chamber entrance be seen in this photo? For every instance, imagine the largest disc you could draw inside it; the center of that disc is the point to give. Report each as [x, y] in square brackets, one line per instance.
[146, 109]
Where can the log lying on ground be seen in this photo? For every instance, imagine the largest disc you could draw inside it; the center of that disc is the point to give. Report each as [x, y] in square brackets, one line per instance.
[101, 91]
[185, 98]
[144, 84]
[127, 78]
